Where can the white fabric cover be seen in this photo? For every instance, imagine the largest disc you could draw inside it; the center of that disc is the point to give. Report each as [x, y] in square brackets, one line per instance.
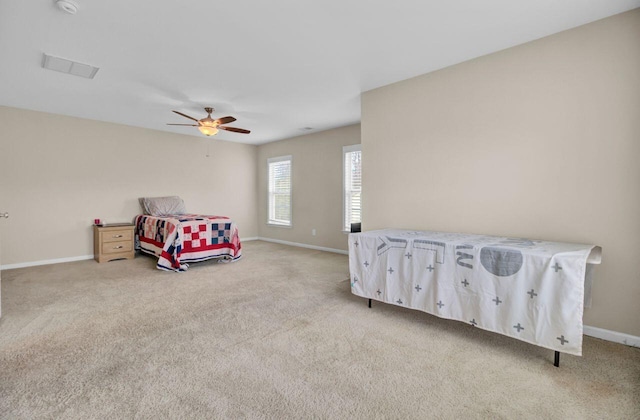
[163, 206]
[527, 289]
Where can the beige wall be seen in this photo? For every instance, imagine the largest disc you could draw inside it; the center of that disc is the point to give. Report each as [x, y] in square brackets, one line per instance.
[540, 140]
[59, 173]
[317, 187]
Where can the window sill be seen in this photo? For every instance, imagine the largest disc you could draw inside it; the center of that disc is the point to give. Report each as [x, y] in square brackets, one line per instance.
[279, 226]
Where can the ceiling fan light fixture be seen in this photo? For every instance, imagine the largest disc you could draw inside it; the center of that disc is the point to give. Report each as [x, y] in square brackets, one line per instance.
[208, 130]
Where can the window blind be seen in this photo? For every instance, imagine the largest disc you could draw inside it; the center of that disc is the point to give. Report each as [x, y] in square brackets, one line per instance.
[352, 156]
[280, 191]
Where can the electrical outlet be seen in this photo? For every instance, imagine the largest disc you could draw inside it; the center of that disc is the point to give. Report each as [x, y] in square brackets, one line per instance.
[313, 232]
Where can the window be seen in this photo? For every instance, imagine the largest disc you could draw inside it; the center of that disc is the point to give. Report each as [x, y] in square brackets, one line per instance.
[280, 191]
[352, 164]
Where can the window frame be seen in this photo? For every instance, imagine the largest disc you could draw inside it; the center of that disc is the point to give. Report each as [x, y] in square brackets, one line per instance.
[272, 221]
[345, 150]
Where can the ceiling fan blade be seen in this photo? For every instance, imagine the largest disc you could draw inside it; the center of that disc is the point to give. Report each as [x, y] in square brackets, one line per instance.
[190, 125]
[185, 115]
[234, 129]
[225, 120]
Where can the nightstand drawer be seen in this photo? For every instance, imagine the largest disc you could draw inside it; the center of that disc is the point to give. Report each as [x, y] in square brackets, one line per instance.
[117, 235]
[117, 247]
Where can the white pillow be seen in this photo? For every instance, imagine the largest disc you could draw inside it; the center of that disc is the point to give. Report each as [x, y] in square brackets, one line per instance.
[163, 206]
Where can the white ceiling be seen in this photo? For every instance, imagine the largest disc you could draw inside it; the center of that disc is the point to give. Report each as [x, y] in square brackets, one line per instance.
[277, 66]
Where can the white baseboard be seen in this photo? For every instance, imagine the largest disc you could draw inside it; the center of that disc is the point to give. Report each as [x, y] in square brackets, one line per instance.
[608, 335]
[70, 259]
[89, 257]
[614, 336]
[45, 262]
[318, 248]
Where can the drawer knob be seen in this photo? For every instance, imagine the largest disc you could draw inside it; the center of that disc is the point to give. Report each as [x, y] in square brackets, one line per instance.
[118, 236]
[118, 247]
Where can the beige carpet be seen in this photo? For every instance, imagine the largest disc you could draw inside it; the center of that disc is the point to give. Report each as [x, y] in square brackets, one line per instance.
[275, 335]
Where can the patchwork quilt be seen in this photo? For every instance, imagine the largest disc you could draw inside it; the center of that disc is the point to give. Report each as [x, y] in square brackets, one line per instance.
[530, 290]
[179, 239]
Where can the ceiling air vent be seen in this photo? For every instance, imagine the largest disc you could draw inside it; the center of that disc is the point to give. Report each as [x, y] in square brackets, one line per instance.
[67, 66]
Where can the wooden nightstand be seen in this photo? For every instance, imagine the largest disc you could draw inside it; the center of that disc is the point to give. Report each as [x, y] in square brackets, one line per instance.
[113, 242]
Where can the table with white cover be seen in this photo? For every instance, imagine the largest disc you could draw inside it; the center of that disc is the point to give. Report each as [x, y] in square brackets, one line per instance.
[531, 290]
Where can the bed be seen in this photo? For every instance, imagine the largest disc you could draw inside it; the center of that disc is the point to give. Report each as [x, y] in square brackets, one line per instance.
[177, 238]
[183, 238]
[530, 290]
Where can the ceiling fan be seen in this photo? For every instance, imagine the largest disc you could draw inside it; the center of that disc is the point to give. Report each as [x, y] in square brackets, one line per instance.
[209, 127]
